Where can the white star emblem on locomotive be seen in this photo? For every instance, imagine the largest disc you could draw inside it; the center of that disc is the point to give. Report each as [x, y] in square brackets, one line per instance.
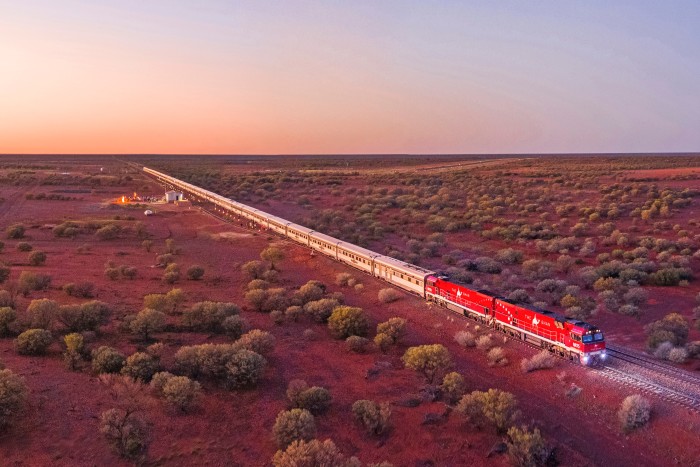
[535, 321]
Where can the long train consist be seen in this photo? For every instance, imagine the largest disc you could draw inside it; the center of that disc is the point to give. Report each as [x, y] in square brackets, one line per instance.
[567, 337]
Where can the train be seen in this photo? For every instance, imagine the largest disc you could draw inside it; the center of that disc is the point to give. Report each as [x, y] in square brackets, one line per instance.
[568, 337]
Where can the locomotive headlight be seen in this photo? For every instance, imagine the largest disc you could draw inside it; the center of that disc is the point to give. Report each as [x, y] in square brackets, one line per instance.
[603, 355]
[586, 359]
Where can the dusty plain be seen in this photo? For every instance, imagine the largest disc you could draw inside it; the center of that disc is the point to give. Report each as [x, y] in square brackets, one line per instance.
[60, 423]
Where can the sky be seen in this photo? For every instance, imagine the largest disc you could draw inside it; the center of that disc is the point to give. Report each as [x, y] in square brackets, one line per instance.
[348, 77]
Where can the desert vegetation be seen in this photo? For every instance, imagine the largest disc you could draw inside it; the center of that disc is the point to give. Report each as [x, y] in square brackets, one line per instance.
[133, 335]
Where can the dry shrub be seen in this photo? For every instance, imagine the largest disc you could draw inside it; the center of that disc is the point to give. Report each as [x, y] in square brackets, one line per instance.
[320, 310]
[261, 342]
[180, 392]
[140, 366]
[527, 448]
[465, 338]
[430, 361]
[107, 360]
[312, 453]
[342, 279]
[388, 295]
[33, 342]
[678, 355]
[233, 326]
[357, 344]
[493, 407]
[453, 387]
[314, 399]
[484, 342]
[634, 412]
[497, 357]
[125, 431]
[373, 417]
[13, 397]
[293, 425]
[394, 328]
[540, 361]
[346, 321]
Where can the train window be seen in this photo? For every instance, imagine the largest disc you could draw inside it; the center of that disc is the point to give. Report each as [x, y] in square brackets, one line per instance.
[587, 338]
[575, 337]
[598, 336]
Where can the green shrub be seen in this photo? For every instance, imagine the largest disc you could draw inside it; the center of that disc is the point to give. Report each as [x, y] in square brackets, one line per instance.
[80, 290]
[181, 392]
[320, 310]
[171, 274]
[258, 341]
[15, 231]
[347, 321]
[13, 397]
[374, 417]
[394, 328]
[452, 387]
[428, 360]
[37, 258]
[147, 322]
[272, 255]
[671, 328]
[224, 363]
[195, 273]
[357, 344]
[75, 348]
[383, 342]
[158, 381]
[33, 342]
[24, 247]
[309, 292]
[107, 360]
[208, 316]
[233, 326]
[41, 313]
[293, 425]
[254, 269]
[84, 317]
[140, 366]
[493, 407]
[7, 317]
[29, 281]
[4, 273]
[526, 448]
[108, 232]
[164, 260]
[314, 399]
[313, 453]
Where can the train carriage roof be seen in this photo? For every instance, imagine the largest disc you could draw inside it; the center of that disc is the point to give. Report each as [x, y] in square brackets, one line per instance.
[402, 266]
[279, 220]
[358, 250]
[324, 237]
[299, 228]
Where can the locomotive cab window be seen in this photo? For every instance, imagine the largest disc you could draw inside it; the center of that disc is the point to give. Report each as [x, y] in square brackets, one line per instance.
[575, 337]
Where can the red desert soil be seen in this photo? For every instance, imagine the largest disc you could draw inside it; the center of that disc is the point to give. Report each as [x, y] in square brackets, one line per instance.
[234, 428]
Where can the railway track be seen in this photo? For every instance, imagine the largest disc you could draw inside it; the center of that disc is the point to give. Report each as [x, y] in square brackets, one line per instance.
[643, 372]
[625, 366]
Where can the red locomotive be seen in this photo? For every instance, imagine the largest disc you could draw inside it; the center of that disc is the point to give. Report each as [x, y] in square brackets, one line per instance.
[566, 336]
